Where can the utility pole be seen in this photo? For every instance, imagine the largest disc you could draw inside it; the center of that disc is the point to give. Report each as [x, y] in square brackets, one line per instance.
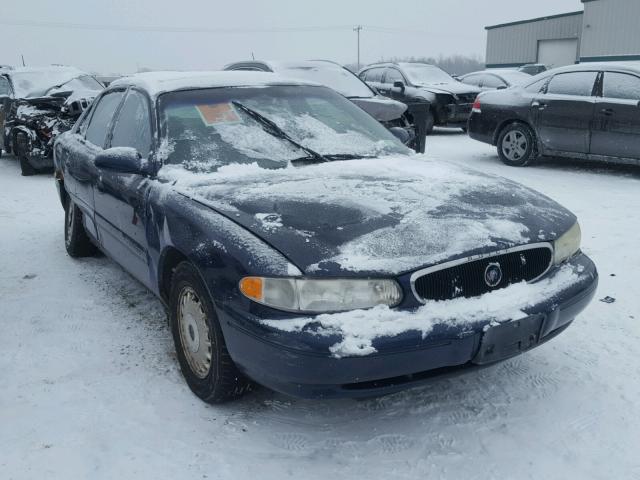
[357, 30]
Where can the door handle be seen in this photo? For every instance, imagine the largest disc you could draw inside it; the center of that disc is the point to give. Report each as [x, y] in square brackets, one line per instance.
[607, 111]
[539, 105]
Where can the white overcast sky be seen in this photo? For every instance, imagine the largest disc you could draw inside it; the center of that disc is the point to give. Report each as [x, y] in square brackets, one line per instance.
[433, 27]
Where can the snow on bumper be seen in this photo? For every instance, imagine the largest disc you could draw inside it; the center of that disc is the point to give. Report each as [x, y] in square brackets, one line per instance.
[358, 330]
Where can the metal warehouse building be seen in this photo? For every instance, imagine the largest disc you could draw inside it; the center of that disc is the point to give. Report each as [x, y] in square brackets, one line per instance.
[607, 30]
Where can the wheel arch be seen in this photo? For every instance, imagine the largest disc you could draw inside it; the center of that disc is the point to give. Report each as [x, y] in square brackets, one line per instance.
[502, 125]
[170, 258]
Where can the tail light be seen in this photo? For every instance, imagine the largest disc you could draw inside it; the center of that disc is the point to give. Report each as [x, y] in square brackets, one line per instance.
[476, 105]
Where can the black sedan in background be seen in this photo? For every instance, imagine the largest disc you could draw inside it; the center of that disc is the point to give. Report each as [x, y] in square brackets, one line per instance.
[297, 243]
[495, 79]
[391, 113]
[589, 111]
[450, 101]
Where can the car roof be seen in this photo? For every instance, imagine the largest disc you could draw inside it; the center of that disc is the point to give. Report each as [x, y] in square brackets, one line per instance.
[275, 65]
[395, 64]
[586, 67]
[156, 83]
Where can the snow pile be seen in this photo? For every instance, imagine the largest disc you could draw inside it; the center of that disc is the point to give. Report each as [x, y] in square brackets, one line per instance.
[359, 328]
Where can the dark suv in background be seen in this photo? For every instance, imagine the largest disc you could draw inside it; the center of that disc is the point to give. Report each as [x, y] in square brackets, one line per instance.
[450, 100]
[390, 113]
[589, 111]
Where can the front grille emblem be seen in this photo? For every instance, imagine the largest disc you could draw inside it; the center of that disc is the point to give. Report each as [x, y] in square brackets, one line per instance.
[493, 274]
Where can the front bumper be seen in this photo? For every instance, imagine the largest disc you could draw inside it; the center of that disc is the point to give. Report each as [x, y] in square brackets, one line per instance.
[301, 364]
[457, 114]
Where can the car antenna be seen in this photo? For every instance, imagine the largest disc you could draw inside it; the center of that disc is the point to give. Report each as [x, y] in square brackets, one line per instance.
[253, 57]
[23, 64]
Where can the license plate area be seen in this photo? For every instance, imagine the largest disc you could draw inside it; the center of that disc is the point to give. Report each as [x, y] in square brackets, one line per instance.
[509, 339]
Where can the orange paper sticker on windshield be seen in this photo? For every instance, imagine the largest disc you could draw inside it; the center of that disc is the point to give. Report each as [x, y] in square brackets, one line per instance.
[218, 113]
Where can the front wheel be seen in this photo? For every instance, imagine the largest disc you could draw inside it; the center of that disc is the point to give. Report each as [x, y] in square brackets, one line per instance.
[76, 240]
[516, 145]
[202, 352]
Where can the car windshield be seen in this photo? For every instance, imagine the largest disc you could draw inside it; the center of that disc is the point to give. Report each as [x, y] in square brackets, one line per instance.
[420, 73]
[333, 76]
[36, 83]
[83, 82]
[205, 129]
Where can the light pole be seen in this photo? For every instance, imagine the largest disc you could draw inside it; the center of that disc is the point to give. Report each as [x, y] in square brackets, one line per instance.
[357, 30]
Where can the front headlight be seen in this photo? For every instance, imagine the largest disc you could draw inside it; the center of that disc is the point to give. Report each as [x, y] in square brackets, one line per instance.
[568, 244]
[319, 296]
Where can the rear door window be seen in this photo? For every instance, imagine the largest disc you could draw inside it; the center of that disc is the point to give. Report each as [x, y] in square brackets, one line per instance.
[573, 83]
[132, 128]
[393, 76]
[374, 75]
[102, 116]
[621, 85]
[536, 87]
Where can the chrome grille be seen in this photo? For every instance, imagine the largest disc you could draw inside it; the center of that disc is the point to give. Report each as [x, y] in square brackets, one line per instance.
[466, 277]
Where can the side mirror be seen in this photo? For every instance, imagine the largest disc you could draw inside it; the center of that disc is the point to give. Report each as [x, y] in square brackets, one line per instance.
[399, 85]
[122, 160]
[401, 134]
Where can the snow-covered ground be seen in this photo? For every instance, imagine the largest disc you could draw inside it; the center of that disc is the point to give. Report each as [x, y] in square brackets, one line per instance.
[90, 387]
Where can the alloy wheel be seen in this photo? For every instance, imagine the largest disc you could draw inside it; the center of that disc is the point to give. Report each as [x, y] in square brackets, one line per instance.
[514, 145]
[194, 332]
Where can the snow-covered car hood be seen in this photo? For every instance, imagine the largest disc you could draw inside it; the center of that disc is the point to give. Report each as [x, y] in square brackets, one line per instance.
[457, 88]
[380, 216]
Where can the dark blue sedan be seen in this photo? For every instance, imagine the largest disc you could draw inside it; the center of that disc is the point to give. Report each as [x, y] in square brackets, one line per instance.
[298, 244]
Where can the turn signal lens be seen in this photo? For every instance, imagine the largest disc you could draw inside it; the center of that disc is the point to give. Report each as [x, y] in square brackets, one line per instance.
[252, 287]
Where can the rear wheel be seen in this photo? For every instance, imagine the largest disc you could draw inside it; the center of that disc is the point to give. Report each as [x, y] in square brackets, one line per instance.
[76, 240]
[202, 352]
[517, 145]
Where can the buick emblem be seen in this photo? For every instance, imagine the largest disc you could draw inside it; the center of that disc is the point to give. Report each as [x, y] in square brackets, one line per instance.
[493, 274]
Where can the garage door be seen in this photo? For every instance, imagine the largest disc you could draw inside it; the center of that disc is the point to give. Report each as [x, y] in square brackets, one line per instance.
[556, 53]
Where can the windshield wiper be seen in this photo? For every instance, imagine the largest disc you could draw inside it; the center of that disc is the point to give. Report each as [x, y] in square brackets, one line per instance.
[271, 128]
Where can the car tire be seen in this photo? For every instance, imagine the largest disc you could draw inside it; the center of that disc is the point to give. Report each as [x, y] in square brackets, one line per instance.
[517, 145]
[26, 169]
[76, 240]
[202, 352]
[429, 123]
